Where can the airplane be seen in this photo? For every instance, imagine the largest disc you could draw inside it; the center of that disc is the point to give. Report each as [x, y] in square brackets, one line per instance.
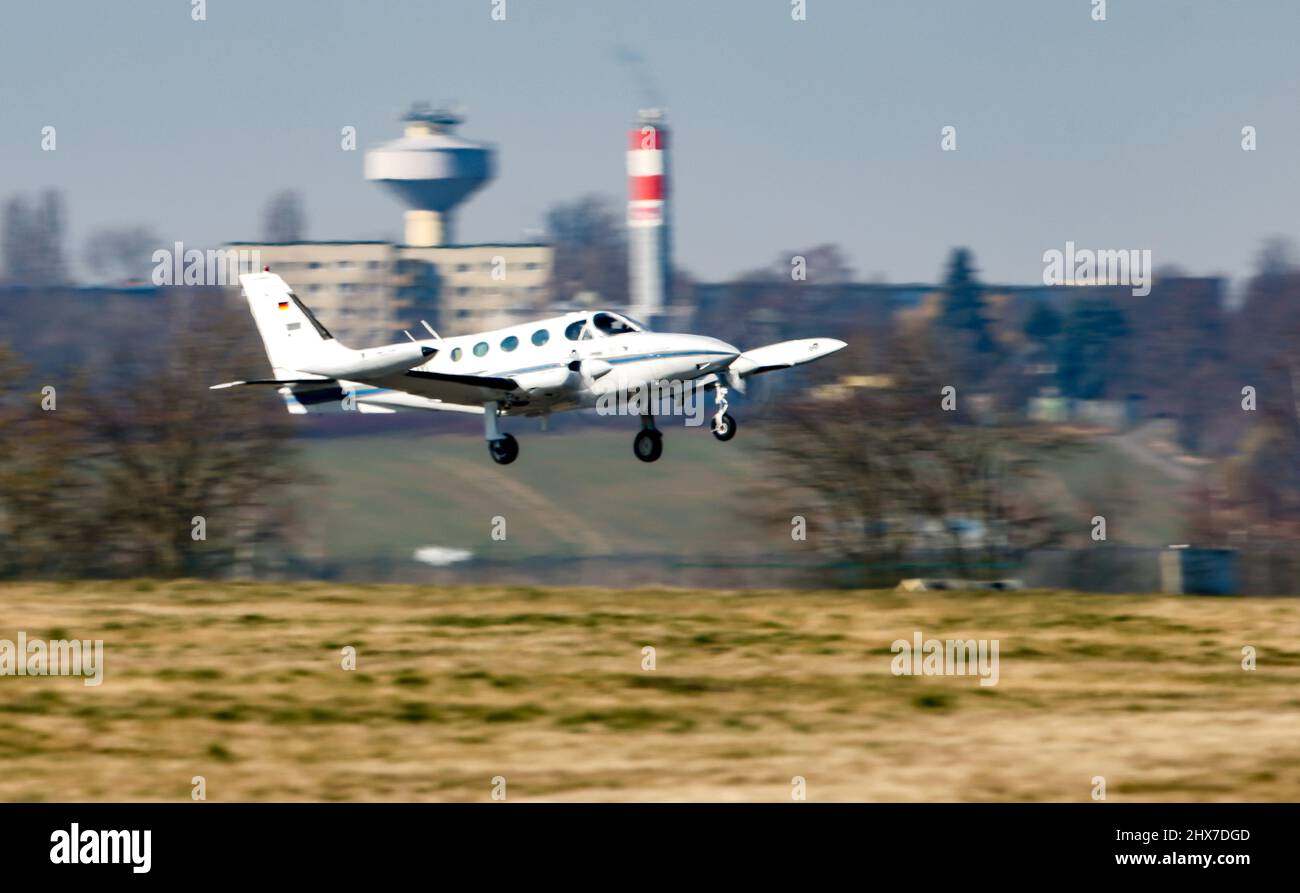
[552, 365]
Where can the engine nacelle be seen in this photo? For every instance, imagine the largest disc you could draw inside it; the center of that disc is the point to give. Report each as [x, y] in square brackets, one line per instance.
[548, 382]
[594, 368]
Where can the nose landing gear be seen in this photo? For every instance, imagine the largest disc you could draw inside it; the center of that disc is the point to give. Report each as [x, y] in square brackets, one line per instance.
[724, 426]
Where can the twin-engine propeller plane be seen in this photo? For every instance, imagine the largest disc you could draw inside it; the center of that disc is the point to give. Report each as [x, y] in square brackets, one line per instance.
[552, 365]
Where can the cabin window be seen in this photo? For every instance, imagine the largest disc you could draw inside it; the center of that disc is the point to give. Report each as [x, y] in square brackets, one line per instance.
[541, 336]
[480, 349]
[455, 354]
[510, 343]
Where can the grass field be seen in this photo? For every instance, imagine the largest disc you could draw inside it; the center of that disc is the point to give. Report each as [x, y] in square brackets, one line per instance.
[242, 684]
[583, 493]
[568, 493]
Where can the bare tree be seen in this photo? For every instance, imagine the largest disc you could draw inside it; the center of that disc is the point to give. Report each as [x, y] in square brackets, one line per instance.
[124, 252]
[47, 525]
[151, 473]
[178, 458]
[590, 249]
[32, 241]
[283, 220]
[885, 475]
[796, 285]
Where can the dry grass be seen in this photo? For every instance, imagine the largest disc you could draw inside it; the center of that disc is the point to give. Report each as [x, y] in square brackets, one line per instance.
[242, 684]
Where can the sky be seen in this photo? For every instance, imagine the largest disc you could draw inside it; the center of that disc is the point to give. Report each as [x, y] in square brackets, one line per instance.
[1119, 134]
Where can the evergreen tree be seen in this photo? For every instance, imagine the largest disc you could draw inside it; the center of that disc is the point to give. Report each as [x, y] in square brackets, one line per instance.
[1090, 350]
[1044, 323]
[966, 328]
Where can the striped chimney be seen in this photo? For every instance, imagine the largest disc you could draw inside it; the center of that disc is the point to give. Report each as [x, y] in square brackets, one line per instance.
[649, 230]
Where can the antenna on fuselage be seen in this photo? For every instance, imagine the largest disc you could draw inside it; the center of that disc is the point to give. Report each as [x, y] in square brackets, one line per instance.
[430, 330]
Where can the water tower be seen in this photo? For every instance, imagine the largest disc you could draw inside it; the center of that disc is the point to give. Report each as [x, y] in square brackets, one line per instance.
[431, 170]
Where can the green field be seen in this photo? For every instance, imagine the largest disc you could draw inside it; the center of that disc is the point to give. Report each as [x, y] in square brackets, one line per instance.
[584, 493]
[1142, 506]
[572, 493]
[243, 685]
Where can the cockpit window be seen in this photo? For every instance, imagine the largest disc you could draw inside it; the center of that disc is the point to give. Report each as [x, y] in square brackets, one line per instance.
[574, 330]
[612, 324]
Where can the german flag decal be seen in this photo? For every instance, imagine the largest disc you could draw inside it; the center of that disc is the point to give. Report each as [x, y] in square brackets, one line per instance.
[284, 305]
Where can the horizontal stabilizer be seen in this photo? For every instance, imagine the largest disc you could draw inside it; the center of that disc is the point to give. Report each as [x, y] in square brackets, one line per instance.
[278, 382]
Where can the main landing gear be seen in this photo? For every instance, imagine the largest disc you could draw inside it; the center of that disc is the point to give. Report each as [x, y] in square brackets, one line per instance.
[724, 426]
[649, 443]
[503, 448]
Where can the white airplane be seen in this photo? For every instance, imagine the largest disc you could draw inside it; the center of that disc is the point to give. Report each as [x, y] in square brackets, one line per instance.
[552, 365]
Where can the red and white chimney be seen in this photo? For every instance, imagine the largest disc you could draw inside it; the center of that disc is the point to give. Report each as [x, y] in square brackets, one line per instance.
[649, 230]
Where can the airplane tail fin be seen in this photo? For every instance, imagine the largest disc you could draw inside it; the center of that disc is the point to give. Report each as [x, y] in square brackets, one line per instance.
[290, 333]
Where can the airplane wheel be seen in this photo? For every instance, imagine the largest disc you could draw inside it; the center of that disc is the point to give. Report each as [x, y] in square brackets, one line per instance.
[505, 450]
[649, 445]
[724, 428]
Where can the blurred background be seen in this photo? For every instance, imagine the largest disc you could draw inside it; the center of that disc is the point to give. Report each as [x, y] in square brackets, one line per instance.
[808, 193]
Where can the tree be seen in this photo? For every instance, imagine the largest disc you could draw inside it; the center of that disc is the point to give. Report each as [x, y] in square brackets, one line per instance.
[1277, 257]
[886, 477]
[32, 241]
[965, 327]
[1044, 323]
[111, 481]
[1176, 358]
[590, 246]
[963, 304]
[283, 219]
[769, 302]
[171, 450]
[1090, 349]
[123, 253]
[47, 523]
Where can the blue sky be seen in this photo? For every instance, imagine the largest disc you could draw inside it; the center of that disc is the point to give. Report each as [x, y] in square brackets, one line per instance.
[1119, 134]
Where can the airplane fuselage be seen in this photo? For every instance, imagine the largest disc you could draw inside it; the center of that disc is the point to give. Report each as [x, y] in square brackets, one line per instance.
[574, 361]
[566, 362]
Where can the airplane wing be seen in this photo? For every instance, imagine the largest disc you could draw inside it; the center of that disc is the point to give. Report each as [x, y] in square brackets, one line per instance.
[470, 390]
[784, 355]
